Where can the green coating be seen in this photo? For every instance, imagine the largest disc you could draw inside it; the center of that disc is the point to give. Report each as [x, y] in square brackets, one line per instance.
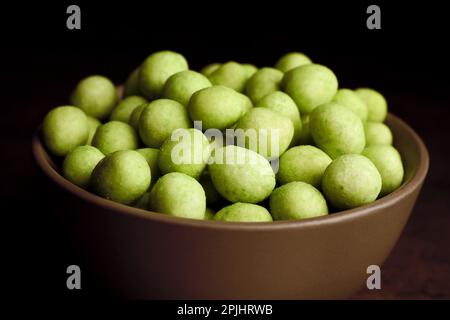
[337, 130]
[122, 176]
[350, 181]
[159, 119]
[297, 200]
[64, 128]
[95, 95]
[180, 195]
[243, 212]
[115, 136]
[310, 85]
[241, 175]
[79, 164]
[303, 163]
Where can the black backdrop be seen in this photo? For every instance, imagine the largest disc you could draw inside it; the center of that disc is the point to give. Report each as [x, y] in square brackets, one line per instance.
[41, 61]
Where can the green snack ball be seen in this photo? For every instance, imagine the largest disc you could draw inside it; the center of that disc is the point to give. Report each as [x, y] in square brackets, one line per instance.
[337, 130]
[79, 164]
[122, 176]
[131, 87]
[305, 134]
[65, 128]
[350, 181]
[273, 132]
[115, 136]
[182, 85]
[263, 82]
[209, 214]
[377, 133]
[180, 195]
[217, 107]
[310, 85]
[156, 69]
[211, 193]
[243, 212]
[93, 124]
[159, 119]
[281, 103]
[292, 60]
[303, 163]
[143, 202]
[210, 68]
[351, 100]
[126, 107]
[136, 115]
[250, 69]
[231, 75]
[95, 95]
[151, 156]
[186, 151]
[241, 175]
[297, 200]
[389, 165]
[375, 102]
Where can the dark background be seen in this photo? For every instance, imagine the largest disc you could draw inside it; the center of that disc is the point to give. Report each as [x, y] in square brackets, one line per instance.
[41, 61]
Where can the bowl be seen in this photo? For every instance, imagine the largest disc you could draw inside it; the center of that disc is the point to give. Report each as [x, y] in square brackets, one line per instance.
[147, 255]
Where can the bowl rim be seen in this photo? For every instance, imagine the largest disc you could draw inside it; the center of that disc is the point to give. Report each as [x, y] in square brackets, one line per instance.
[42, 158]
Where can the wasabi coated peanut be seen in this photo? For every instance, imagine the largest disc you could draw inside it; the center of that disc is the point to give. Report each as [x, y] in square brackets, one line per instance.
[95, 95]
[350, 181]
[241, 175]
[65, 128]
[209, 214]
[305, 134]
[186, 151]
[351, 100]
[310, 85]
[115, 136]
[283, 104]
[389, 165]
[273, 132]
[375, 102]
[250, 69]
[292, 60]
[377, 133]
[243, 212]
[151, 156]
[156, 69]
[211, 193]
[210, 68]
[93, 124]
[122, 176]
[263, 82]
[79, 164]
[143, 202]
[180, 195]
[337, 130]
[122, 112]
[231, 75]
[217, 107]
[136, 115]
[303, 163]
[159, 118]
[131, 86]
[297, 200]
[182, 85]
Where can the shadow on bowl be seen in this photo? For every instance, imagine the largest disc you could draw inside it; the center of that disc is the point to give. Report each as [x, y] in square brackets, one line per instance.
[146, 255]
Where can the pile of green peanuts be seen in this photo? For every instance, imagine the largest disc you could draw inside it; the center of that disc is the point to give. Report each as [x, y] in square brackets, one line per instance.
[334, 151]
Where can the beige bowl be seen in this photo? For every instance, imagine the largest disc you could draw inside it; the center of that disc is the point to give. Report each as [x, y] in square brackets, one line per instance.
[140, 254]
